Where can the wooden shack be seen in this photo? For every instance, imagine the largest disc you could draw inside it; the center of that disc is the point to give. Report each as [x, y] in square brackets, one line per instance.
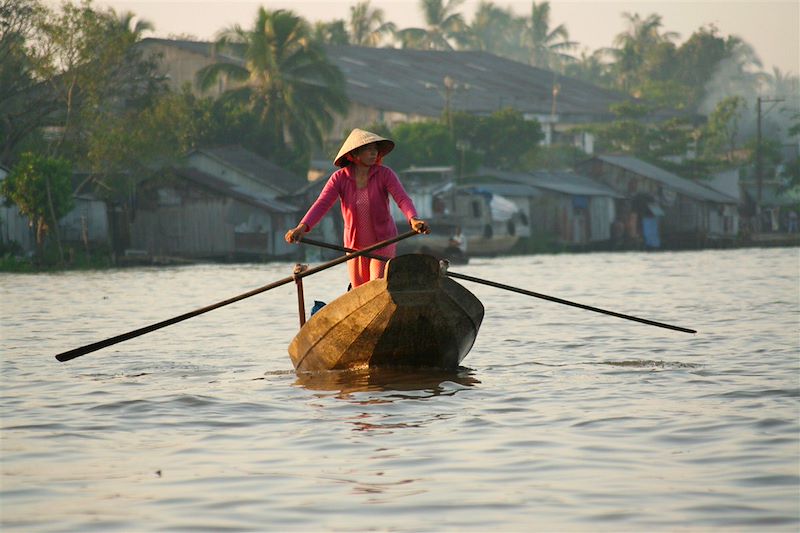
[689, 213]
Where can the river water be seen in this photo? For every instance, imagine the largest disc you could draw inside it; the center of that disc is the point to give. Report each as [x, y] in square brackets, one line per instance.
[561, 419]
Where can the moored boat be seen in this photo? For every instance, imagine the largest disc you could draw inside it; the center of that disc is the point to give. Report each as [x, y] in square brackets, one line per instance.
[415, 316]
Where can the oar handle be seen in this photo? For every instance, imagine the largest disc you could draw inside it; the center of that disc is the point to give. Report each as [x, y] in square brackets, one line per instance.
[83, 350]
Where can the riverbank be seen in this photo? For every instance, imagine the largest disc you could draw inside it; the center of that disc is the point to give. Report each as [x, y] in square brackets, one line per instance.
[102, 259]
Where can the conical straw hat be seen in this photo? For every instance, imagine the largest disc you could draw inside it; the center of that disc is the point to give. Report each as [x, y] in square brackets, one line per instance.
[359, 138]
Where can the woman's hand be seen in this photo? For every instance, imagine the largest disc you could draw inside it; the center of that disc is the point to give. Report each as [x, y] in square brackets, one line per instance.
[420, 226]
[294, 235]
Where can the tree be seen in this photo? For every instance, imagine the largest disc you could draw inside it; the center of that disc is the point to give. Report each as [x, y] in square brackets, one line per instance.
[720, 133]
[548, 47]
[367, 26]
[93, 68]
[492, 30]
[24, 100]
[592, 68]
[635, 44]
[283, 76]
[628, 133]
[421, 144]
[333, 32]
[42, 190]
[504, 139]
[443, 24]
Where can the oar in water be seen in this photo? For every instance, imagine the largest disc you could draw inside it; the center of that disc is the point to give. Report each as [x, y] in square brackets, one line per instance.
[520, 291]
[83, 350]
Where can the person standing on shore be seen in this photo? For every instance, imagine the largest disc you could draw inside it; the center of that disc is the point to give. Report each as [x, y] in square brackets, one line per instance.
[363, 184]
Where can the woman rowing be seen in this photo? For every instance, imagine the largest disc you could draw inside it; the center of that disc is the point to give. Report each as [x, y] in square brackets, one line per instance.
[363, 184]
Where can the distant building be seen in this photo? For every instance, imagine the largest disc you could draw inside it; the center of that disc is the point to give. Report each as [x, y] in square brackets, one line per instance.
[660, 204]
[15, 228]
[572, 209]
[224, 203]
[85, 226]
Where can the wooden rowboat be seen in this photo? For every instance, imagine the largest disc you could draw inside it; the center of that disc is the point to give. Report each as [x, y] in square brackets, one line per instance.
[414, 317]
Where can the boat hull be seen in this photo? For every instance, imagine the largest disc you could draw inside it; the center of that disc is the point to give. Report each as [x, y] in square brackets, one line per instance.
[414, 317]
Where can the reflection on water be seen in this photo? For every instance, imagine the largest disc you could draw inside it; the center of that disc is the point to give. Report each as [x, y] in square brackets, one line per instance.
[427, 383]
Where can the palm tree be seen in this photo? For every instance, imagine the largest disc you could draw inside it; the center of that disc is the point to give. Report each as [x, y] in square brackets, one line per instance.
[125, 23]
[592, 68]
[282, 75]
[634, 45]
[548, 47]
[783, 85]
[489, 31]
[367, 26]
[443, 24]
[332, 32]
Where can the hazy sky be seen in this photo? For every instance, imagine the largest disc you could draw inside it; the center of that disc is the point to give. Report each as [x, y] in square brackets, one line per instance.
[772, 27]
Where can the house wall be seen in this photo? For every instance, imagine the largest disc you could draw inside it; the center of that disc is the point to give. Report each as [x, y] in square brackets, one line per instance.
[522, 224]
[189, 221]
[181, 66]
[555, 214]
[683, 215]
[199, 229]
[88, 221]
[601, 216]
[15, 227]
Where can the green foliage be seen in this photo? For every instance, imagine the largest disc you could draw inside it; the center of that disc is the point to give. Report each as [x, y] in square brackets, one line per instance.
[443, 26]
[639, 131]
[333, 32]
[553, 157]
[93, 70]
[421, 144]
[126, 147]
[285, 80]
[503, 139]
[718, 138]
[23, 102]
[41, 188]
[666, 94]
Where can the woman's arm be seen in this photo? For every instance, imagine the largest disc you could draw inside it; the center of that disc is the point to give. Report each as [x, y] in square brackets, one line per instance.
[327, 197]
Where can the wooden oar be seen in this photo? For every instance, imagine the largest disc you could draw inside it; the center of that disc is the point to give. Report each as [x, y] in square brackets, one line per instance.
[83, 350]
[522, 291]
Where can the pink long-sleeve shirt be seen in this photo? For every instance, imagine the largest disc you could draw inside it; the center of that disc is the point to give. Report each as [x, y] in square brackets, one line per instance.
[382, 183]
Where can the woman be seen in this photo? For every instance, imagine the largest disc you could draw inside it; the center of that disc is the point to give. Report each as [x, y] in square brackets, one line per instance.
[363, 185]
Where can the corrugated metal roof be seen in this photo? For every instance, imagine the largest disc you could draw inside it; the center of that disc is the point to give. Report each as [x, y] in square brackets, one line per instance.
[237, 193]
[508, 189]
[679, 184]
[559, 181]
[256, 166]
[571, 183]
[412, 82]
